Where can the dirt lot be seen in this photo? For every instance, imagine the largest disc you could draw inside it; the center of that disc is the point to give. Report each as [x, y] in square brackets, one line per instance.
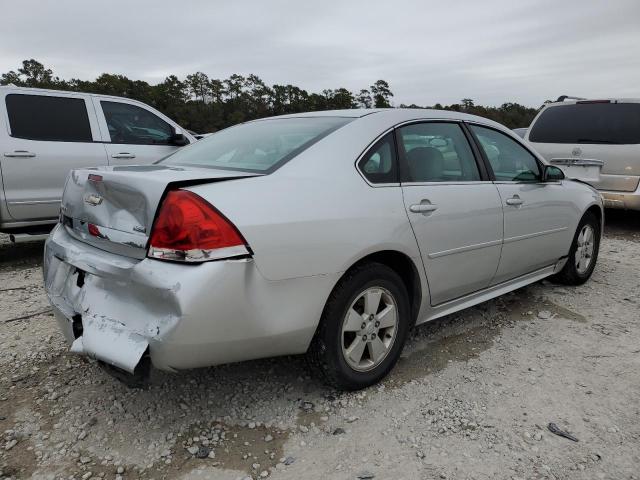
[470, 399]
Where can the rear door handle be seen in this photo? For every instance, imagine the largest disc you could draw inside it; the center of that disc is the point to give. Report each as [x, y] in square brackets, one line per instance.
[423, 208]
[514, 201]
[20, 153]
[123, 155]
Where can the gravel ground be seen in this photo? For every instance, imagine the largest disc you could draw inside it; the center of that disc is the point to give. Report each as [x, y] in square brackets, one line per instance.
[470, 399]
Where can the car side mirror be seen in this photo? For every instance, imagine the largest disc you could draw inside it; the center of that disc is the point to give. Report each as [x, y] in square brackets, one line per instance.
[178, 138]
[552, 174]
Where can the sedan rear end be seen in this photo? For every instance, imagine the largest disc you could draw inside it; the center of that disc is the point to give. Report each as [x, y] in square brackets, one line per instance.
[141, 267]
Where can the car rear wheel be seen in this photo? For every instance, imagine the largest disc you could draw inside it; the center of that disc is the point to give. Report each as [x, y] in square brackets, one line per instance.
[583, 253]
[363, 328]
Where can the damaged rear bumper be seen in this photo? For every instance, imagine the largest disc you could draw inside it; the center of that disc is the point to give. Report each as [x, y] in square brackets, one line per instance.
[118, 309]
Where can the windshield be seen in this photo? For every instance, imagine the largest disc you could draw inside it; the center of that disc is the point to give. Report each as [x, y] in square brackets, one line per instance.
[605, 123]
[261, 146]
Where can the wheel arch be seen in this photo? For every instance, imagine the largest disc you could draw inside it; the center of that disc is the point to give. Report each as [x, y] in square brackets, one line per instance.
[405, 267]
[598, 211]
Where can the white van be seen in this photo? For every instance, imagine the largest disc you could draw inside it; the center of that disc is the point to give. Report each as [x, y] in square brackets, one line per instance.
[46, 133]
[597, 141]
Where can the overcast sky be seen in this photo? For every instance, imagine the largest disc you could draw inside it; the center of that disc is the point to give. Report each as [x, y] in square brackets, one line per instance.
[492, 51]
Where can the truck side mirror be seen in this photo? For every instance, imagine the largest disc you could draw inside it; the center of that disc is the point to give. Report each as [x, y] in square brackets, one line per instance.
[178, 138]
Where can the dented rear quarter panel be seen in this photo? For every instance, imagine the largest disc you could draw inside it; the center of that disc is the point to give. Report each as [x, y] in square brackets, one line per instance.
[190, 315]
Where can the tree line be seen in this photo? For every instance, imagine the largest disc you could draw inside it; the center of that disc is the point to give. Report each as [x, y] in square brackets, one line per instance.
[204, 104]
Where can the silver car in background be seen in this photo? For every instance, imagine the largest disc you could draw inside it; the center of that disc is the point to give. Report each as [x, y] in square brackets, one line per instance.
[521, 132]
[330, 233]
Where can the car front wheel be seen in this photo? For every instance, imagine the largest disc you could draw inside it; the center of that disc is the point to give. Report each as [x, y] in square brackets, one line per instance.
[583, 253]
[363, 328]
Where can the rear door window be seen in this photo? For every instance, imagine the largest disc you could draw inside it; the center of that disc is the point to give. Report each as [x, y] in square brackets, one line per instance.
[379, 164]
[130, 124]
[436, 152]
[509, 160]
[598, 123]
[48, 118]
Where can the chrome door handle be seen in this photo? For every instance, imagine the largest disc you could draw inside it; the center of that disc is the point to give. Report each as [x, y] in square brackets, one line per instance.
[514, 201]
[19, 153]
[123, 155]
[423, 208]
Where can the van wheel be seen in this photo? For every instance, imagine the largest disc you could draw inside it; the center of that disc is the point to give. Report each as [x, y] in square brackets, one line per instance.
[583, 253]
[362, 329]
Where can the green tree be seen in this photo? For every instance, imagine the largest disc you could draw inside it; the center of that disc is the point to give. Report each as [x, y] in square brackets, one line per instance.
[467, 103]
[343, 98]
[198, 86]
[363, 99]
[32, 74]
[234, 85]
[381, 94]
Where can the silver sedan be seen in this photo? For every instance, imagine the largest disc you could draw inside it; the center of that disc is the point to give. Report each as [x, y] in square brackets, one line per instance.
[326, 233]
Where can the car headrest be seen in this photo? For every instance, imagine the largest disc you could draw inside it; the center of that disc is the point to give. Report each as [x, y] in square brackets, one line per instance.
[426, 164]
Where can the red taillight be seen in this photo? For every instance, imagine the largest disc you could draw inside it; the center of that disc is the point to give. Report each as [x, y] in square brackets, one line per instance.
[188, 228]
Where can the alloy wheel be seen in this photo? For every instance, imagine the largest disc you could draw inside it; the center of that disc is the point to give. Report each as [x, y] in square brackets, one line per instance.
[584, 253]
[369, 329]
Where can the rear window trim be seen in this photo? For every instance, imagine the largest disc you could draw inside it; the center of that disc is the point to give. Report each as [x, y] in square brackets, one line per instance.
[277, 165]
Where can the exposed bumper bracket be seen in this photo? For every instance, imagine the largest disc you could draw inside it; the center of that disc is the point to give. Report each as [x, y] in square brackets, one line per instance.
[103, 340]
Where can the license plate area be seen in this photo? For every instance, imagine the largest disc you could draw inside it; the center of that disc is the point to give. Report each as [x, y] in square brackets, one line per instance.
[587, 170]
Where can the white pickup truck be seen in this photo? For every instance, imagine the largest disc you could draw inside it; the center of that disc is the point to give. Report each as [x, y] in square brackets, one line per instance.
[46, 133]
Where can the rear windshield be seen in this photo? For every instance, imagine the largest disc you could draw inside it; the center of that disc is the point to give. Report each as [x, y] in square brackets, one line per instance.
[261, 146]
[606, 123]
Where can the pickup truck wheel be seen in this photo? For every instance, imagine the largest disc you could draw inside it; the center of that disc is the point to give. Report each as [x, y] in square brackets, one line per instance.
[363, 328]
[583, 253]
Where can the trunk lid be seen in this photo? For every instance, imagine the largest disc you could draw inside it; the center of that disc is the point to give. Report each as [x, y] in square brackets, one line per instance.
[113, 208]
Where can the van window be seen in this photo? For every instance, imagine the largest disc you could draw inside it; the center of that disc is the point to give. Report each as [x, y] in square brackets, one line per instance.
[43, 117]
[131, 124]
[605, 123]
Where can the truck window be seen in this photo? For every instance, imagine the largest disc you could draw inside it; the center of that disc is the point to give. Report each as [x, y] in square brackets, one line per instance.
[131, 124]
[43, 117]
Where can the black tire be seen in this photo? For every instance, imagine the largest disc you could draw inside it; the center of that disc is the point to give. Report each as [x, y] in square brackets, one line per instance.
[325, 354]
[569, 275]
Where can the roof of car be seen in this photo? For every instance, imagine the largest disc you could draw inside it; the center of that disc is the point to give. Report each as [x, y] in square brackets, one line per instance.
[396, 115]
[27, 90]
